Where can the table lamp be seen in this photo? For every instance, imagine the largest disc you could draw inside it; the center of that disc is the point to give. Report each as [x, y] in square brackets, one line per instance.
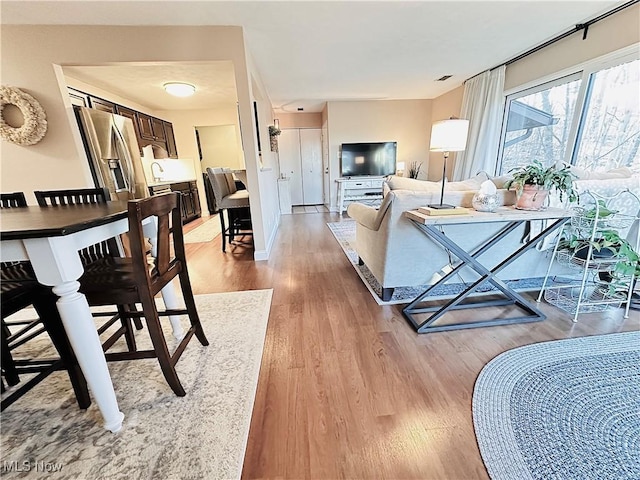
[448, 136]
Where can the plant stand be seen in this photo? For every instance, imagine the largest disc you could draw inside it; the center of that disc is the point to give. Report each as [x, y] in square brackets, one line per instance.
[585, 291]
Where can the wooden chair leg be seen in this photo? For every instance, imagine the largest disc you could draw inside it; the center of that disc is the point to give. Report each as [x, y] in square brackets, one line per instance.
[8, 365]
[190, 303]
[125, 319]
[232, 223]
[222, 227]
[160, 345]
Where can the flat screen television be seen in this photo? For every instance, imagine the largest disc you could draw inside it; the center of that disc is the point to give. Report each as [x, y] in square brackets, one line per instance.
[368, 159]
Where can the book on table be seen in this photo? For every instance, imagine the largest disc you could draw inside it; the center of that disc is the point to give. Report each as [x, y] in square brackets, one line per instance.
[443, 211]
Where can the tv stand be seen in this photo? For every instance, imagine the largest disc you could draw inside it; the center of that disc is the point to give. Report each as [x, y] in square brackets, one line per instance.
[359, 189]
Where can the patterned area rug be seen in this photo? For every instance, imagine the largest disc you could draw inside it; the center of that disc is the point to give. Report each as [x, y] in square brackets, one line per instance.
[205, 232]
[201, 435]
[345, 234]
[567, 409]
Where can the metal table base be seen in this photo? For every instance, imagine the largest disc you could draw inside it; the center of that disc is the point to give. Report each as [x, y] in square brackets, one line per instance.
[470, 259]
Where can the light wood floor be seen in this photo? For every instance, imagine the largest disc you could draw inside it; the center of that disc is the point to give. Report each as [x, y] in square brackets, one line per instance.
[347, 389]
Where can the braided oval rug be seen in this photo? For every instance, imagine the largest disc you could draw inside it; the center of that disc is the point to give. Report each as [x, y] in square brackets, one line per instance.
[566, 409]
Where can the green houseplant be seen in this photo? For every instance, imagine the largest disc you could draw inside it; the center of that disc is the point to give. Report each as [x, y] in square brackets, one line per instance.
[533, 182]
[605, 244]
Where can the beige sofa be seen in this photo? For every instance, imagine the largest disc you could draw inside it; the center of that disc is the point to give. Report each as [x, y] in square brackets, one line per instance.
[398, 254]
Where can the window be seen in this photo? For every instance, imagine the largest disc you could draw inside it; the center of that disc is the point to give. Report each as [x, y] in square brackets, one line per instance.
[609, 136]
[538, 123]
[590, 119]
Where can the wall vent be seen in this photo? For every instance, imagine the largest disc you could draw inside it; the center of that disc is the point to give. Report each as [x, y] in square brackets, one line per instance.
[443, 78]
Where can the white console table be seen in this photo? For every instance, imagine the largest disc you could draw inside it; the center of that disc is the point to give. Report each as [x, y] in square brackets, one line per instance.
[366, 190]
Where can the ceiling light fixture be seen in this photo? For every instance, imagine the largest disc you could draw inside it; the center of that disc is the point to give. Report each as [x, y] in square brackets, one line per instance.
[179, 89]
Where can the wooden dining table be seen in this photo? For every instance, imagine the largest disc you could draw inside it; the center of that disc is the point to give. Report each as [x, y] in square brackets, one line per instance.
[51, 238]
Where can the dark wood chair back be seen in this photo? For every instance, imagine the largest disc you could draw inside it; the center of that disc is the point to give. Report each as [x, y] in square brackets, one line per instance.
[12, 200]
[78, 196]
[166, 209]
[132, 280]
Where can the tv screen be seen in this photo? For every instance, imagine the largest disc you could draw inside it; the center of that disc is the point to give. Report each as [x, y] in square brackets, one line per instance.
[368, 159]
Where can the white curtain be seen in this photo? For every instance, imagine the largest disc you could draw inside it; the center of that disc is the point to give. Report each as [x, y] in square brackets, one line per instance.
[483, 106]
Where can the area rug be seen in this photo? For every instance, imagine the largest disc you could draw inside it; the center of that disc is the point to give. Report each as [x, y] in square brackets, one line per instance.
[566, 409]
[345, 233]
[201, 435]
[205, 232]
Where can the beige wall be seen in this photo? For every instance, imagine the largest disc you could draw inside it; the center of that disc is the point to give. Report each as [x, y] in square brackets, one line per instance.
[299, 120]
[443, 107]
[407, 122]
[219, 146]
[31, 60]
[613, 33]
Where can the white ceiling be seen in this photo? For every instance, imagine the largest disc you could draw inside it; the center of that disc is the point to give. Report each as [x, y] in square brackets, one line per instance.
[215, 83]
[309, 52]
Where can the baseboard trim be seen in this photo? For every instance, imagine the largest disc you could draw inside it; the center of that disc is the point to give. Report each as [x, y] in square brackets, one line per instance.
[263, 255]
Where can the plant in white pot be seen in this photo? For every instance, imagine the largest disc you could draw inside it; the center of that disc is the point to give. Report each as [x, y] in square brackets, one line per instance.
[533, 182]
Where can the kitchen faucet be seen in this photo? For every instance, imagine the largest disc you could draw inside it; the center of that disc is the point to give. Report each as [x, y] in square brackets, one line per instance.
[157, 176]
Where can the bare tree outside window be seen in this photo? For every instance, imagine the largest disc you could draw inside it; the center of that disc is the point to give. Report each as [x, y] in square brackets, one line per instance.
[610, 134]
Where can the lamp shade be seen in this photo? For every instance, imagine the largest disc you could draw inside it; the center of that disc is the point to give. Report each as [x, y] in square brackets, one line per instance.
[449, 135]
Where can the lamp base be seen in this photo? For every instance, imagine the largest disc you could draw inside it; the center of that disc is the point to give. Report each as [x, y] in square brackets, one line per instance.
[442, 206]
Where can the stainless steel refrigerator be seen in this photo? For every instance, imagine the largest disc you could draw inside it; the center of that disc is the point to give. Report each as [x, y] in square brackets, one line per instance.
[114, 156]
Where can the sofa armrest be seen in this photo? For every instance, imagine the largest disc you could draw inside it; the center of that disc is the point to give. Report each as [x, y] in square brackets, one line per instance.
[364, 215]
[370, 217]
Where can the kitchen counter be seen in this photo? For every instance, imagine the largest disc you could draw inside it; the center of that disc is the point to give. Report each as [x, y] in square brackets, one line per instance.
[169, 182]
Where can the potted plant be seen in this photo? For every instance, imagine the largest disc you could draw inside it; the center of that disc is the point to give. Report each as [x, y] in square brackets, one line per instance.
[606, 245]
[273, 137]
[414, 169]
[533, 182]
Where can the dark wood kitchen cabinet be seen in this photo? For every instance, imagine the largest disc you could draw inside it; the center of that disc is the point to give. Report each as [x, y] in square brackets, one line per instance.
[132, 115]
[78, 98]
[102, 105]
[171, 140]
[151, 128]
[189, 198]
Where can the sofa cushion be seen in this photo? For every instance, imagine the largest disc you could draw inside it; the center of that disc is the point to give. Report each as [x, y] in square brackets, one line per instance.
[402, 183]
[469, 184]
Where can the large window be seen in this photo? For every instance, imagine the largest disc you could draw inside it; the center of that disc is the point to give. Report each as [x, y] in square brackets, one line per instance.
[609, 134]
[590, 119]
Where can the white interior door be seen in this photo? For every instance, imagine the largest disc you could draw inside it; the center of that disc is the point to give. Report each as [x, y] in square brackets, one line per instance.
[290, 164]
[311, 156]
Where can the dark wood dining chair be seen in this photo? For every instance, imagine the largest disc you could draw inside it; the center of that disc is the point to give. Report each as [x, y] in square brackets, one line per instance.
[138, 279]
[19, 289]
[95, 255]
